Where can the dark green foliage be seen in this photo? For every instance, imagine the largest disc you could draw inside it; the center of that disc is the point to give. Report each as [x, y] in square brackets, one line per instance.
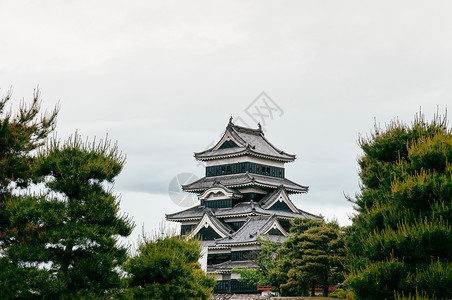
[267, 260]
[401, 238]
[415, 296]
[63, 244]
[312, 255]
[167, 267]
[20, 134]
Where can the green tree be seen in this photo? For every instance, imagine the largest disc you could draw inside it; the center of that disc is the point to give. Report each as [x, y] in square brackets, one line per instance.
[20, 135]
[167, 267]
[312, 255]
[401, 240]
[267, 261]
[65, 242]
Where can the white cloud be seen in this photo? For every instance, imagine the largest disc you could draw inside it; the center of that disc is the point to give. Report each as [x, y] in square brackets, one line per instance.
[163, 77]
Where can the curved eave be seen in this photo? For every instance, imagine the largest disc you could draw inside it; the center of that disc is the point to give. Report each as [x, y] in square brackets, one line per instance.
[269, 212]
[253, 213]
[243, 153]
[240, 244]
[253, 183]
[183, 219]
[216, 247]
[220, 272]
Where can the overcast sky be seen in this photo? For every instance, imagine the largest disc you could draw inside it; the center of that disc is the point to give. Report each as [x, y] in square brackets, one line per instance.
[163, 77]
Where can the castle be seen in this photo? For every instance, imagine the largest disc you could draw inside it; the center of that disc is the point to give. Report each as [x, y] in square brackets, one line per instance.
[243, 196]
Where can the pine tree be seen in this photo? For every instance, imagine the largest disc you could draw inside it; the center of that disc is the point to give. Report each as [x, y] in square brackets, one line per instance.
[311, 256]
[401, 238]
[20, 135]
[65, 242]
[167, 267]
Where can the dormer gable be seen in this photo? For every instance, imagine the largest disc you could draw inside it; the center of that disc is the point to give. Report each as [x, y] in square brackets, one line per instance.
[273, 227]
[228, 144]
[278, 200]
[210, 228]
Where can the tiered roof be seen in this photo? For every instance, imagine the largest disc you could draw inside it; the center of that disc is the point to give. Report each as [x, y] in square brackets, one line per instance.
[244, 180]
[238, 141]
[254, 227]
[243, 209]
[250, 220]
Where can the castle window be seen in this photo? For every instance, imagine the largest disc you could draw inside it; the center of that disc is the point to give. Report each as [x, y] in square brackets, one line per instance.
[243, 167]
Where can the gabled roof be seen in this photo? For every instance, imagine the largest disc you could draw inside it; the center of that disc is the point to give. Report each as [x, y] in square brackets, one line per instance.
[209, 220]
[238, 141]
[242, 209]
[244, 180]
[280, 195]
[219, 188]
[272, 223]
[254, 227]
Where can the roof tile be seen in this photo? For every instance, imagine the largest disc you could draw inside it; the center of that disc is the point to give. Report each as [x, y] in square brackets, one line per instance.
[252, 142]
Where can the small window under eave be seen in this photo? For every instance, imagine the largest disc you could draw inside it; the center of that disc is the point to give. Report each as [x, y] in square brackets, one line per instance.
[280, 205]
[228, 144]
[208, 234]
[275, 231]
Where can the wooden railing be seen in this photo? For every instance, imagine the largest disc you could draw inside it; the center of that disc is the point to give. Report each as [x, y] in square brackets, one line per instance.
[264, 287]
[330, 289]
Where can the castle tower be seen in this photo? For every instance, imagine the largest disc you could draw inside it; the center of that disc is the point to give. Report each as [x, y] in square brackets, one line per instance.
[244, 195]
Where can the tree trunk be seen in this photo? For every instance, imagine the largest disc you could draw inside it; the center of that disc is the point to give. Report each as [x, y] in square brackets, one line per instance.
[325, 284]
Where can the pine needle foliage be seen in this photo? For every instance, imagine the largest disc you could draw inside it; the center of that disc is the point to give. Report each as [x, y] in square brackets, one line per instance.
[64, 242]
[166, 267]
[400, 241]
[20, 135]
[312, 255]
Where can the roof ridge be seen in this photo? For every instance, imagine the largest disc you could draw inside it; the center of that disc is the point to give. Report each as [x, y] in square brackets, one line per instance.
[248, 219]
[305, 186]
[308, 213]
[247, 130]
[226, 228]
[278, 150]
[257, 132]
[270, 196]
[250, 141]
[234, 126]
[270, 220]
[187, 209]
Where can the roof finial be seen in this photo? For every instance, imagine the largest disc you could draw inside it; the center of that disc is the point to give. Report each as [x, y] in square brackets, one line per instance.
[230, 120]
[259, 125]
